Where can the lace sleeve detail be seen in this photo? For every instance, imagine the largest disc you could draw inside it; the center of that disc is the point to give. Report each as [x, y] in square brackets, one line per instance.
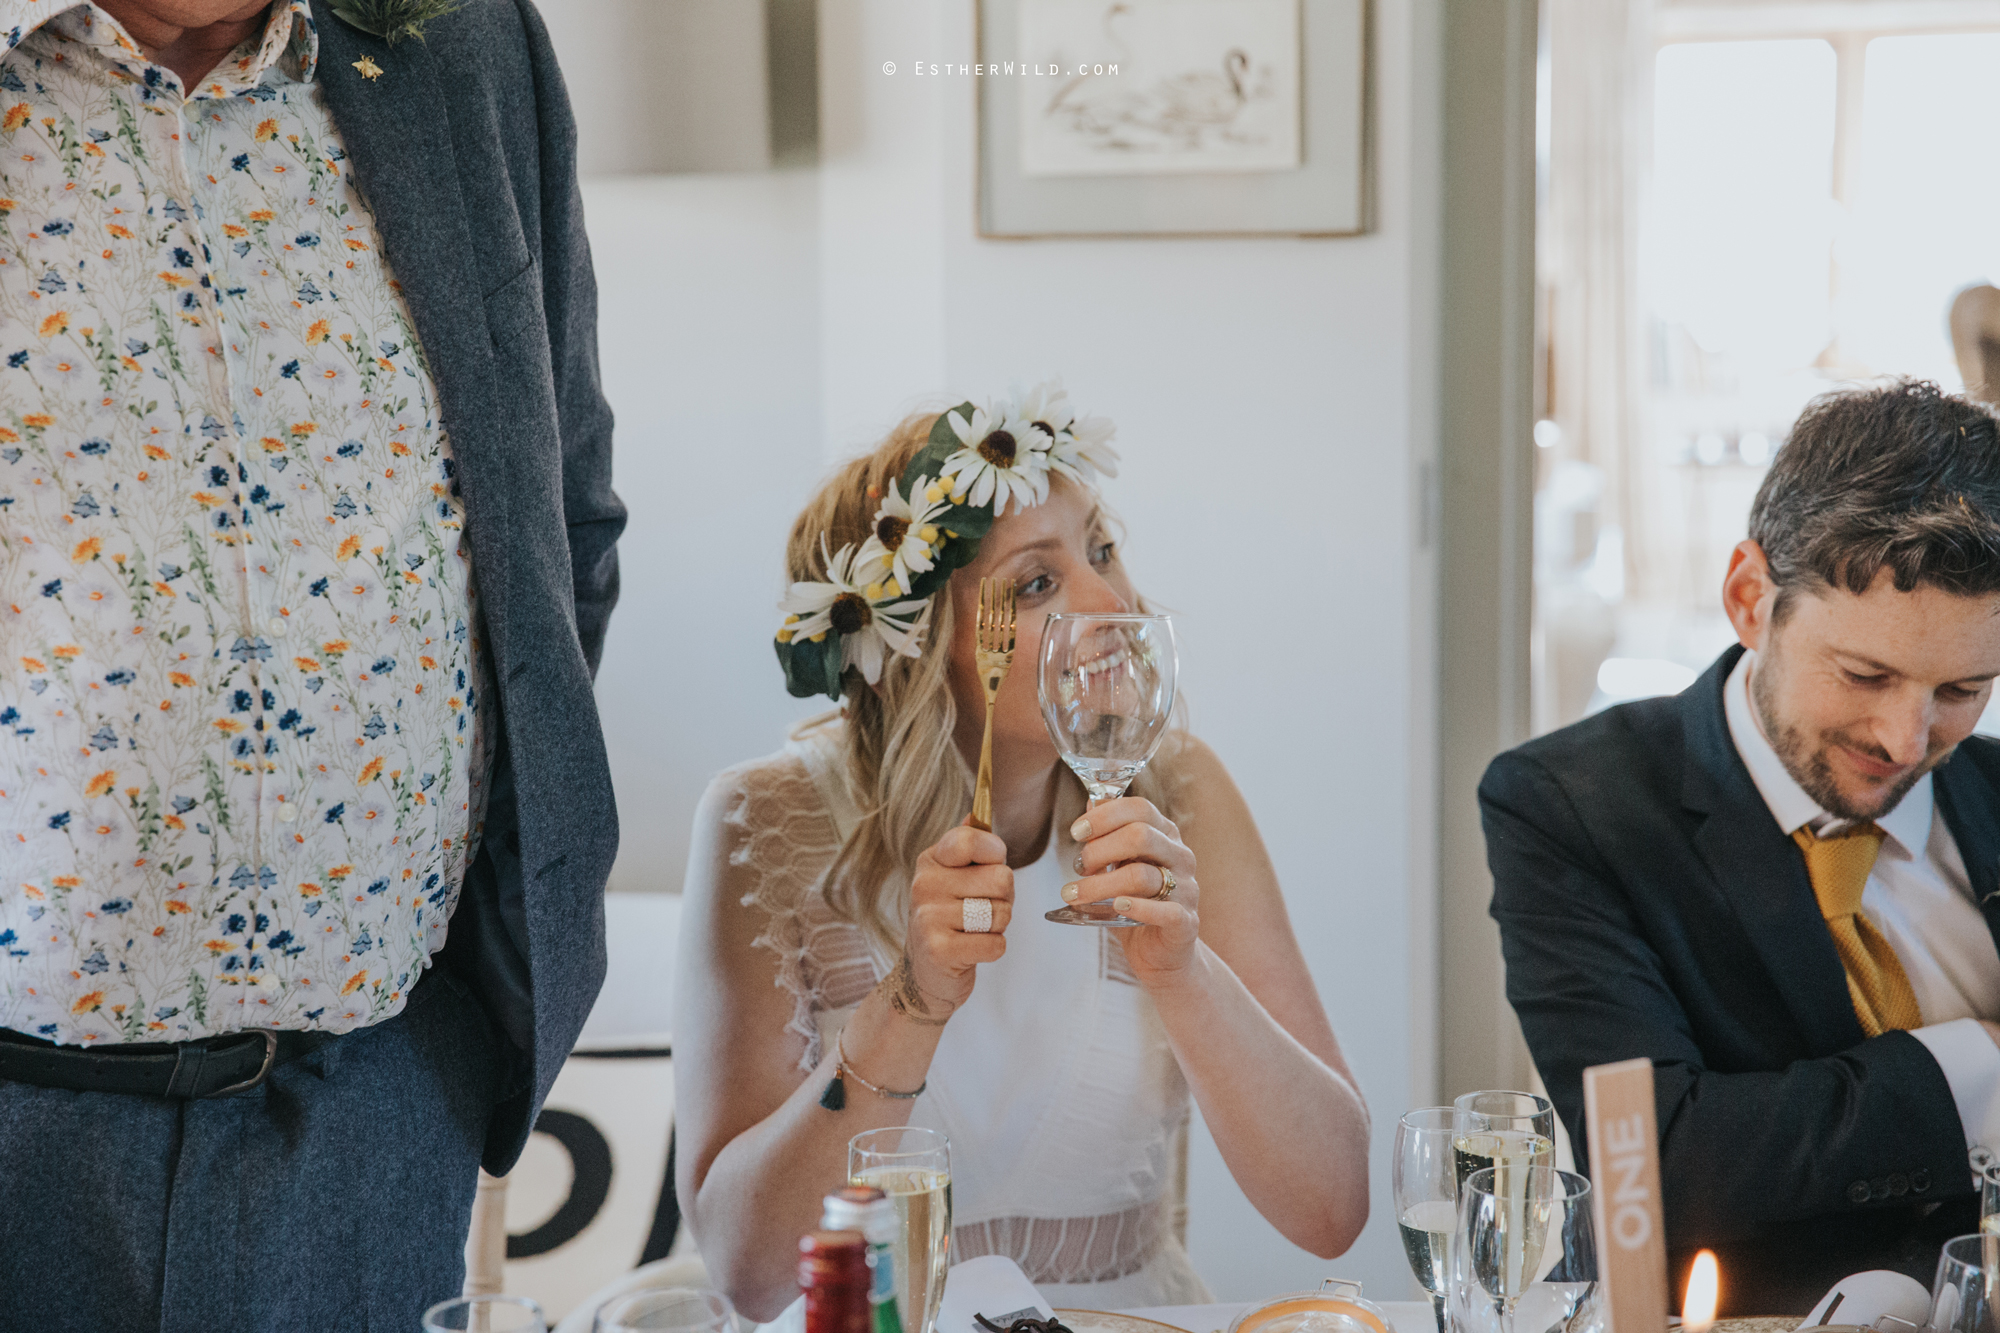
[783, 839]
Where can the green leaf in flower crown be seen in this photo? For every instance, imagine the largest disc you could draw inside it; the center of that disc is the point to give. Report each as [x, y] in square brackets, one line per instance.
[811, 668]
[392, 20]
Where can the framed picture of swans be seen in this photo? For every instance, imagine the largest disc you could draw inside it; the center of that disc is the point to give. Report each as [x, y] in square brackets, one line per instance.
[1170, 86]
[1172, 117]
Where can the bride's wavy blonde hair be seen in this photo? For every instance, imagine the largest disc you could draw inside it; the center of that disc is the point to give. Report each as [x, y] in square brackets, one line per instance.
[903, 767]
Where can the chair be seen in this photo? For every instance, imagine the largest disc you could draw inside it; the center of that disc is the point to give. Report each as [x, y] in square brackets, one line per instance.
[592, 1105]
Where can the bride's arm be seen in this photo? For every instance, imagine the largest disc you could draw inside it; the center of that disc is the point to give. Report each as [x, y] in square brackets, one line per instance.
[1241, 1010]
[756, 1152]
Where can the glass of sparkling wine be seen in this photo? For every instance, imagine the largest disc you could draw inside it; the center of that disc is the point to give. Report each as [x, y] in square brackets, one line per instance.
[1524, 1253]
[913, 1167]
[1106, 684]
[1501, 1127]
[1426, 1189]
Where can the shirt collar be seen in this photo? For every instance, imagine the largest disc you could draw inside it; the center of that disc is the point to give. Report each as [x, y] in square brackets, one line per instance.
[1908, 825]
[288, 31]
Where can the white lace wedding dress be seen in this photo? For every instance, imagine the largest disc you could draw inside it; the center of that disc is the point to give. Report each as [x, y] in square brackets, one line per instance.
[1066, 1111]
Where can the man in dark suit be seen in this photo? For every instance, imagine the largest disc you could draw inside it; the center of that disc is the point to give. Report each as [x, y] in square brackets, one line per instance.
[324, 551]
[1783, 885]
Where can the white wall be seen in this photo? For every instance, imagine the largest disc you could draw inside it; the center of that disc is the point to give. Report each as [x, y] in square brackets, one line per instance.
[1272, 398]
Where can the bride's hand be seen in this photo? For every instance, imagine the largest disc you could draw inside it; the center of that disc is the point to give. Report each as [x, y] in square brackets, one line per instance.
[941, 954]
[1145, 846]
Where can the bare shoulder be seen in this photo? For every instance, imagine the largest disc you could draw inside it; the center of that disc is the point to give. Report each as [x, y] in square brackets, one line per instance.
[1207, 804]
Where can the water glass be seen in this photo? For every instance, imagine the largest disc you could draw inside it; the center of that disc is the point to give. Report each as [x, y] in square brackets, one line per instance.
[1426, 1196]
[681, 1309]
[1524, 1255]
[913, 1167]
[485, 1314]
[1965, 1298]
[1106, 685]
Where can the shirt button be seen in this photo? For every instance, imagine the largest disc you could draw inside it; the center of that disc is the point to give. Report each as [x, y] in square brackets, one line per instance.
[278, 626]
[287, 813]
[1858, 1192]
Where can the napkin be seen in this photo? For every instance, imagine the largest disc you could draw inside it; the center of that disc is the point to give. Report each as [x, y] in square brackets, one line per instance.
[992, 1285]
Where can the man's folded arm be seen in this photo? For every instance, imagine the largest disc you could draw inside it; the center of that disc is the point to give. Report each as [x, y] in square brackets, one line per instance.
[1738, 1150]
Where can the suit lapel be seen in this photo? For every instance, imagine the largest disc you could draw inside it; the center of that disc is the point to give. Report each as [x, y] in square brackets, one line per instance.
[397, 131]
[1760, 871]
[1967, 800]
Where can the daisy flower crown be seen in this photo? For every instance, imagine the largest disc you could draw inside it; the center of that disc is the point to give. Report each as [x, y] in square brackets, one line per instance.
[876, 600]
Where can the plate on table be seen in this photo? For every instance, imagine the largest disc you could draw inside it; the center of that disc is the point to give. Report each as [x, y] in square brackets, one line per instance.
[1103, 1321]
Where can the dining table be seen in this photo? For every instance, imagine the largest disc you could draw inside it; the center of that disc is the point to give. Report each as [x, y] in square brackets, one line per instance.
[1404, 1316]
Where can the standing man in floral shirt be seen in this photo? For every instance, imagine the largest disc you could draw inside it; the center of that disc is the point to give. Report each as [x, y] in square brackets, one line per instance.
[306, 554]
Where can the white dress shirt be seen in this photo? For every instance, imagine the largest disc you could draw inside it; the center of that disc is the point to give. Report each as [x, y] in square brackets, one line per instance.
[1919, 897]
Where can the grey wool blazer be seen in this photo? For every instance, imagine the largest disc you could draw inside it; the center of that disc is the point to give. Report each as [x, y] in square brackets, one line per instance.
[465, 148]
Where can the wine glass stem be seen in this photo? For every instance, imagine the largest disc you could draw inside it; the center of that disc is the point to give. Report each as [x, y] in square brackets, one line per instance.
[1437, 1308]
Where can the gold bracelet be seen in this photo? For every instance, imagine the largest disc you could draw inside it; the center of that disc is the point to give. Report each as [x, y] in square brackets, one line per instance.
[835, 1096]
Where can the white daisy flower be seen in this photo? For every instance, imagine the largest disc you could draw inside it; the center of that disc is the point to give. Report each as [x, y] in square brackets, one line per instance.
[870, 627]
[906, 533]
[1081, 446]
[1002, 457]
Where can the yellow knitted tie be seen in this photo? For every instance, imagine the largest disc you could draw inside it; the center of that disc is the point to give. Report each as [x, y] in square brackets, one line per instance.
[1839, 867]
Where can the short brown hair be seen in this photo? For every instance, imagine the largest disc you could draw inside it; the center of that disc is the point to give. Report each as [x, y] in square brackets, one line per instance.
[1902, 476]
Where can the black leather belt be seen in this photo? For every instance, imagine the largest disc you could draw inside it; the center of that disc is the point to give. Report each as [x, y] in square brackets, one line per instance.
[212, 1067]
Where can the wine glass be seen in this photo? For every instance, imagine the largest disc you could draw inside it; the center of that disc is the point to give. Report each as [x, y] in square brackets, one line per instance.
[681, 1309]
[1524, 1254]
[1426, 1195]
[913, 1167]
[1965, 1298]
[1107, 689]
[485, 1314]
[1498, 1127]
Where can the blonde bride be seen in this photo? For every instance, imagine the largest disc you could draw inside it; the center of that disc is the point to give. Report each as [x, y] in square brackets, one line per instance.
[846, 925]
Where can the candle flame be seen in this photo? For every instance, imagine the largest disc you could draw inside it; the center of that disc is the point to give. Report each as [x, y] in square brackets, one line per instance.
[1704, 1286]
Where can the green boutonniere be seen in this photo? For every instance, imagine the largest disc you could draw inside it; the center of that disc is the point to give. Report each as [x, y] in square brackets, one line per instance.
[392, 20]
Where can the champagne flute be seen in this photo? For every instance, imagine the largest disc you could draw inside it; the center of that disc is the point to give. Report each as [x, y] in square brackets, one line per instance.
[913, 1167]
[1106, 684]
[1426, 1190]
[1496, 1127]
[1524, 1254]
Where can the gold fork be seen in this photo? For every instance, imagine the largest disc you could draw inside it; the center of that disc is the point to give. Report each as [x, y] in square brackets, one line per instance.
[994, 654]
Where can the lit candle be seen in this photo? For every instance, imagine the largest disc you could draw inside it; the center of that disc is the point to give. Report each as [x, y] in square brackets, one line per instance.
[1704, 1285]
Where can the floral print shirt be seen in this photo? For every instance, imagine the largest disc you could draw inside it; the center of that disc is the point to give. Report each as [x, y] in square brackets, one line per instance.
[241, 762]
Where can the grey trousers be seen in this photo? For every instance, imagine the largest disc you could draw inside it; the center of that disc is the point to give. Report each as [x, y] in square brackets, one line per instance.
[334, 1198]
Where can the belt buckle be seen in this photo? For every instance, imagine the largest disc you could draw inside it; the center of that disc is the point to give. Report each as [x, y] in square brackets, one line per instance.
[270, 1037]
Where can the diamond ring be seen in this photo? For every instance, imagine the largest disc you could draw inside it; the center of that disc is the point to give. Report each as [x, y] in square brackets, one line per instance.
[977, 915]
[1167, 884]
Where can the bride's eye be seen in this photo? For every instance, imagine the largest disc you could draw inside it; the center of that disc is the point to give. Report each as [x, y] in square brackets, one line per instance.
[1037, 586]
[1104, 554]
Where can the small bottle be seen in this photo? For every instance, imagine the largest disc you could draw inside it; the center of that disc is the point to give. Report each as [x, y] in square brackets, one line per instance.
[833, 1273]
[866, 1209]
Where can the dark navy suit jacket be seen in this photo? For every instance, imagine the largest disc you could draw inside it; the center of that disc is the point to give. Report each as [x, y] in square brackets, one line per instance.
[1649, 905]
[465, 148]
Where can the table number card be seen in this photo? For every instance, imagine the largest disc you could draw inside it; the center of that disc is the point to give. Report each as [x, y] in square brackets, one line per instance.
[1625, 1189]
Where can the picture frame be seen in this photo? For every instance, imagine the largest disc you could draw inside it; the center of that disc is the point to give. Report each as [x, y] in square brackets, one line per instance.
[1326, 195]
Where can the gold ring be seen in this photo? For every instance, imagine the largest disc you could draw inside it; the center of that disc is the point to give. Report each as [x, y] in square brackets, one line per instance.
[1167, 885]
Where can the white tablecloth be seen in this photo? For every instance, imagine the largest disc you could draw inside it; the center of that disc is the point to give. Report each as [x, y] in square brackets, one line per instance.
[1404, 1316]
